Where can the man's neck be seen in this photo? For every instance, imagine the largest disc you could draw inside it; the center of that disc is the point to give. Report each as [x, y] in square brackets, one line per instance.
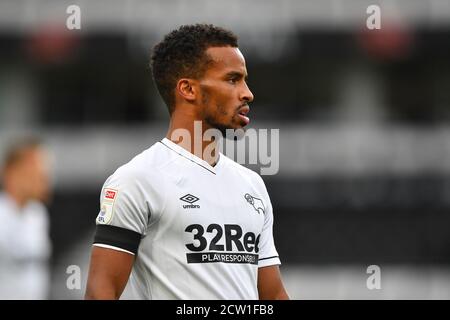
[188, 133]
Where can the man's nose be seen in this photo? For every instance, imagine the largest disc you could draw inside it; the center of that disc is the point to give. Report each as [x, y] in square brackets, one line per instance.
[247, 95]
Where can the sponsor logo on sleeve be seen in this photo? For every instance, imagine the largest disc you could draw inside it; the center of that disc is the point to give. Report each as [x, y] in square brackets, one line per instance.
[107, 206]
[110, 194]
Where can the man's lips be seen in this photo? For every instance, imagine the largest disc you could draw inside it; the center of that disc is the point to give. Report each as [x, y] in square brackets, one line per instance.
[242, 112]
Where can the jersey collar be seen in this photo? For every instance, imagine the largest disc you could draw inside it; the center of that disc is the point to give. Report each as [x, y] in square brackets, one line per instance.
[186, 154]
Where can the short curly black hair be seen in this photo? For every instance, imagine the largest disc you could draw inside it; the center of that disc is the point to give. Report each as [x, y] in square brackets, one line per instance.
[182, 53]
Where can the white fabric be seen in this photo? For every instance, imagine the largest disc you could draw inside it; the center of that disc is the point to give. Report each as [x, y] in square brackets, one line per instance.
[24, 250]
[147, 194]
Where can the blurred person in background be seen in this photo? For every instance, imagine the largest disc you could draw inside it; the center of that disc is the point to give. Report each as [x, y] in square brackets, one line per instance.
[25, 246]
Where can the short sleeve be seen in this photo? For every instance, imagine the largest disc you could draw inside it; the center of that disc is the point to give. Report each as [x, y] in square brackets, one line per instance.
[268, 254]
[124, 212]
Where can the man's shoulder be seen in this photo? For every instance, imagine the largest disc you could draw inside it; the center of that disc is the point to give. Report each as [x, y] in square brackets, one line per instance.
[33, 209]
[242, 170]
[149, 165]
[37, 214]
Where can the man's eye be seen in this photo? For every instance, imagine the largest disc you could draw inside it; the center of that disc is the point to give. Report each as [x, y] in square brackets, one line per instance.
[232, 80]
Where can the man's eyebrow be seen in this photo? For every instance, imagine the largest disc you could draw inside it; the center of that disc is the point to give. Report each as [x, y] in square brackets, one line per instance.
[236, 74]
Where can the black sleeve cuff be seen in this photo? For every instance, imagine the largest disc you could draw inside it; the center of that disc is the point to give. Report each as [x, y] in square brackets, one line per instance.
[117, 237]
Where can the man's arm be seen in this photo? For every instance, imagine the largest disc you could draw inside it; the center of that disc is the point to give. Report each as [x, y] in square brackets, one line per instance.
[270, 286]
[108, 273]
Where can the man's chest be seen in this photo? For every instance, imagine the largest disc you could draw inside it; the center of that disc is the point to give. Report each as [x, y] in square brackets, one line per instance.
[207, 220]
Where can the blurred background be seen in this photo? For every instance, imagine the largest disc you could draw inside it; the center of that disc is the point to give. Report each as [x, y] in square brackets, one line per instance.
[364, 119]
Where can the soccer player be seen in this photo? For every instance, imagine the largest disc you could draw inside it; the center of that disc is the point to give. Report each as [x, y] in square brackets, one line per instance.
[186, 224]
[25, 245]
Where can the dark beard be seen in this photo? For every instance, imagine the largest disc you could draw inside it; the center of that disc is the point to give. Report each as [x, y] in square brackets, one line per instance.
[223, 129]
[210, 121]
[213, 124]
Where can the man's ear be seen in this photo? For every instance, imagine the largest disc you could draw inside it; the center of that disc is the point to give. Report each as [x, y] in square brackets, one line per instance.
[187, 89]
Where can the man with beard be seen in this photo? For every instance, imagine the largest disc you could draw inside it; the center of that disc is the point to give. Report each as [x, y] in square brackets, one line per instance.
[189, 224]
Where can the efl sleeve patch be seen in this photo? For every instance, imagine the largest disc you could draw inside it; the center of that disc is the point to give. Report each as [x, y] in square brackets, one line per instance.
[107, 206]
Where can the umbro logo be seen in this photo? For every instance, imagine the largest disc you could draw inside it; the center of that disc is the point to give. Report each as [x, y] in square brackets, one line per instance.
[189, 198]
[256, 203]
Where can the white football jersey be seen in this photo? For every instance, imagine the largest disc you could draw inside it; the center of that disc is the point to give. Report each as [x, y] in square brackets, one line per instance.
[25, 249]
[198, 232]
